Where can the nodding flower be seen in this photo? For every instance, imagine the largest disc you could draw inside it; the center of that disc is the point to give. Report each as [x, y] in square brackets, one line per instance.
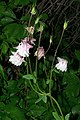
[39, 53]
[16, 59]
[62, 64]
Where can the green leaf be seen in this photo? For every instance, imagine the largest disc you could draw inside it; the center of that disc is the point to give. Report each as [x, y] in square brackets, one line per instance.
[6, 20]
[30, 77]
[36, 110]
[76, 109]
[23, 2]
[73, 84]
[56, 116]
[44, 98]
[9, 13]
[2, 105]
[15, 112]
[2, 7]
[5, 117]
[12, 87]
[2, 71]
[25, 18]
[77, 53]
[44, 16]
[67, 116]
[17, 2]
[4, 47]
[14, 30]
[40, 98]
[55, 70]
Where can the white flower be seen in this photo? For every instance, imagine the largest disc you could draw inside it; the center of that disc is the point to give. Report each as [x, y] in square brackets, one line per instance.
[23, 48]
[16, 59]
[39, 52]
[62, 64]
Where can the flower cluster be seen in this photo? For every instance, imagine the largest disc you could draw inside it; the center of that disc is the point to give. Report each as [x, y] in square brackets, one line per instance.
[22, 51]
[17, 58]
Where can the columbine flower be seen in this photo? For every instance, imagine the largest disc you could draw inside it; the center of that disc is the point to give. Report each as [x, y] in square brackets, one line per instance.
[39, 52]
[16, 59]
[29, 40]
[30, 29]
[62, 64]
[23, 48]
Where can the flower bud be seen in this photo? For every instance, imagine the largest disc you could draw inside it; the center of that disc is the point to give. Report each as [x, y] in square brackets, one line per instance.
[65, 25]
[37, 20]
[41, 26]
[50, 39]
[33, 12]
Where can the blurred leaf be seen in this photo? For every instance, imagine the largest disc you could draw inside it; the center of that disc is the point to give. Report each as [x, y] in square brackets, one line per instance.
[44, 16]
[30, 76]
[48, 81]
[2, 105]
[56, 116]
[25, 18]
[12, 86]
[40, 98]
[16, 2]
[78, 118]
[55, 70]
[14, 30]
[2, 72]
[73, 84]
[44, 98]
[67, 117]
[22, 2]
[15, 112]
[5, 117]
[9, 13]
[6, 20]
[36, 110]
[76, 109]
[34, 1]
[22, 103]
[77, 53]
[2, 7]
[4, 47]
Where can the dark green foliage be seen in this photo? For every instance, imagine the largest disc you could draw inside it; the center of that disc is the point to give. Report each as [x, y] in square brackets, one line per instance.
[24, 92]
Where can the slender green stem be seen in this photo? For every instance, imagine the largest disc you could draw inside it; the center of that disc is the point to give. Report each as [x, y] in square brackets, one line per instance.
[37, 54]
[29, 65]
[52, 104]
[48, 48]
[56, 104]
[57, 48]
[34, 88]
[28, 36]
[30, 20]
[45, 69]
[54, 59]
